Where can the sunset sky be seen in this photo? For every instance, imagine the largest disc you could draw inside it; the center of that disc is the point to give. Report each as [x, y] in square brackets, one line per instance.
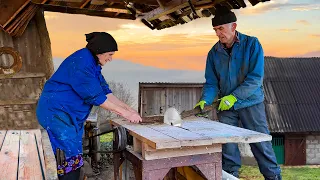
[285, 28]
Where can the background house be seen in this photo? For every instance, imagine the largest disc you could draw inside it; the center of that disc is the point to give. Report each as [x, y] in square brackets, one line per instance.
[292, 106]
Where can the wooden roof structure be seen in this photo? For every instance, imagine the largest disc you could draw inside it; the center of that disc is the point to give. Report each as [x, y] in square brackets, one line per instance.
[156, 14]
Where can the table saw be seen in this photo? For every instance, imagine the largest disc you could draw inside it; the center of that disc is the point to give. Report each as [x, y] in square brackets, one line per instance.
[159, 147]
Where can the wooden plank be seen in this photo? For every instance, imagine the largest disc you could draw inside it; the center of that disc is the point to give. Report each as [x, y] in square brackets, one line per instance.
[85, 3]
[223, 133]
[29, 163]
[37, 133]
[147, 135]
[11, 10]
[148, 153]
[22, 75]
[18, 102]
[2, 136]
[49, 158]
[186, 137]
[9, 155]
[137, 145]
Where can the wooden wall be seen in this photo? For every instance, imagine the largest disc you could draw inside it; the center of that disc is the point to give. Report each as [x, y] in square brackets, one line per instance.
[154, 99]
[19, 92]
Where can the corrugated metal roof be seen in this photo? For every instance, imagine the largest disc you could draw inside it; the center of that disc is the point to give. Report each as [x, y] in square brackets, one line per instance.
[292, 95]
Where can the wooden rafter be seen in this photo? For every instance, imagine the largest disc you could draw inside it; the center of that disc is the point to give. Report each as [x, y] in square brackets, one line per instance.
[101, 2]
[77, 4]
[175, 5]
[170, 7]
[85, 3]
[87, 12]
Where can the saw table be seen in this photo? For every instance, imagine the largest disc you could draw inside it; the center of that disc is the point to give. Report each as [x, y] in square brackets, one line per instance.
[198, 142]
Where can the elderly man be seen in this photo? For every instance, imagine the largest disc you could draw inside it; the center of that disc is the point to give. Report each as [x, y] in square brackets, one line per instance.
[234, 74]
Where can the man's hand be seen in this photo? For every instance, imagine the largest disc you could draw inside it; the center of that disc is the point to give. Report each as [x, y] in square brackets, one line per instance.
[227, 102]
[201, 105]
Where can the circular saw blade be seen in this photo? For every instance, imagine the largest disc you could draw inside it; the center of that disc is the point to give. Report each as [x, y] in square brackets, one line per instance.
[172, 117]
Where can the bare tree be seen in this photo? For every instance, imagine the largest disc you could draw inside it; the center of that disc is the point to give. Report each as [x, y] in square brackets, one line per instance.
[122, 92]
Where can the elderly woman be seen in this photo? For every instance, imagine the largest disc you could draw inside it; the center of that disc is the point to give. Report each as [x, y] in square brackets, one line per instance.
[69, 95]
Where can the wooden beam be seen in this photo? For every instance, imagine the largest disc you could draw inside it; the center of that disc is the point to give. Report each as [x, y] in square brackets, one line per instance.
[85, 3]
[124, 11]
[81, 5]
[44, 1]
[148, 153]
[87, 12]
[170, 7]
[101, 2]
[160, 4]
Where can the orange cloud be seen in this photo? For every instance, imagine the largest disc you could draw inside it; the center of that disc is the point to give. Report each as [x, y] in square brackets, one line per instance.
[304, 22]
[314, 35]
[264, 7]
[178, 51]
[287, 30]
[307, 7]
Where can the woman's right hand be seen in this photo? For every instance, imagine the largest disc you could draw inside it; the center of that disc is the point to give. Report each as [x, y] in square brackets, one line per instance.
[133, 117]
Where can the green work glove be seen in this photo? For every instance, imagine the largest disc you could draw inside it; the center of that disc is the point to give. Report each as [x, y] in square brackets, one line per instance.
[201, 105]
[227, 102]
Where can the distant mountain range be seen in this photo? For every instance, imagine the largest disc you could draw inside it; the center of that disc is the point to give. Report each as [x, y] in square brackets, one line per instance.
[131, 74]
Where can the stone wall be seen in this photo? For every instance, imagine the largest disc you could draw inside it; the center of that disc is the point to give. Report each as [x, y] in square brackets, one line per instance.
[313, 149]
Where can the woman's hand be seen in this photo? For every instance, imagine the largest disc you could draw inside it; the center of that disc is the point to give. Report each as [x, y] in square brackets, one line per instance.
[133, 117]
[127, 113]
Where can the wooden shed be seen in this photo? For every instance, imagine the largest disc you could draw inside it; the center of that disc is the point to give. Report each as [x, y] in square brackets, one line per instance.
[155, 98]
[292, 101]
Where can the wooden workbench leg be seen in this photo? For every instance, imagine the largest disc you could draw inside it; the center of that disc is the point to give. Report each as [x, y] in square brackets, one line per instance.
[157, 174]
[137, 172]
[212, 171]
[116, 165]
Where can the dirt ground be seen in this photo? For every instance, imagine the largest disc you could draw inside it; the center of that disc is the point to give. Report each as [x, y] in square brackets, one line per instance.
[100, 171]
[103, 170]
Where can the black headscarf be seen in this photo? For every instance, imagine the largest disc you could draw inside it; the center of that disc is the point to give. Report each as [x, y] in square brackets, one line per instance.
[101, 42]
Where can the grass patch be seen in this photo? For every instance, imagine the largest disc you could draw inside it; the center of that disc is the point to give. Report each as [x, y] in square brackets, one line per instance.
[106, 137]
[288, 173]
